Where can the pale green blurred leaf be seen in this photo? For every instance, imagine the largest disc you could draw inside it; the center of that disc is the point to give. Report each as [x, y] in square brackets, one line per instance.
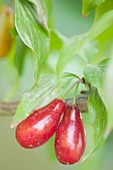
[103, 64]
[109, 90]
[89, 51]
[89, 5]
[56, 40]
[97, 112]
[103, 8]
[9, 80]
[95, 77]
[100, 25]
[98, 117]
[13, 32]
[20, 54]
[74, 45]
[69, 49]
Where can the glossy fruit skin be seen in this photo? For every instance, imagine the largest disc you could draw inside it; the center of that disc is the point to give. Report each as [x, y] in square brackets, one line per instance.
[70, 140]
[6, 25]
[40, 125]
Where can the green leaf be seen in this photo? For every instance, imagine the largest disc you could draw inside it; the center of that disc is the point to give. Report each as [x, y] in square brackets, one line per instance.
[95, 77]
[69, 49]
[103, 64]
[47, 6]
[13, 32]
[89, 5]
[20, 54]
[9, 80]
[109, 91]
[48, 88]
[100, 25]
[98, 113]
[75, 45]
[56, 40]
[39, 11]
[105, 45]
[30, 32]
[89, 51]
[98, 116]
[103, 8]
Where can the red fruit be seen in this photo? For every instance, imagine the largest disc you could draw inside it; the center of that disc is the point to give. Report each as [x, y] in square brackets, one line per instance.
[70, 137]
[40, 125]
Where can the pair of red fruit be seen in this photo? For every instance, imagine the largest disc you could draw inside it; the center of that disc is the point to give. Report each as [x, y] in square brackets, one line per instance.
[40, 126]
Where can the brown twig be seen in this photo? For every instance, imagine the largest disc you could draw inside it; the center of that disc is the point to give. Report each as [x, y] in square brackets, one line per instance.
[8, 109]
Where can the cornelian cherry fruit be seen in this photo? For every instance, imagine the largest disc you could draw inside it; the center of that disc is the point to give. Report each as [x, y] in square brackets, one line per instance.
[70, 140]
[40, 125]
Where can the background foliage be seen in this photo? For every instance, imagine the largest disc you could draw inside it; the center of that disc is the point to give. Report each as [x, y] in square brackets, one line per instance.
[72, 44]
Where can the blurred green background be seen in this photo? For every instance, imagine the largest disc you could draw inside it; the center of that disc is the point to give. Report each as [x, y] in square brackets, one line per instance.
[69, 21]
